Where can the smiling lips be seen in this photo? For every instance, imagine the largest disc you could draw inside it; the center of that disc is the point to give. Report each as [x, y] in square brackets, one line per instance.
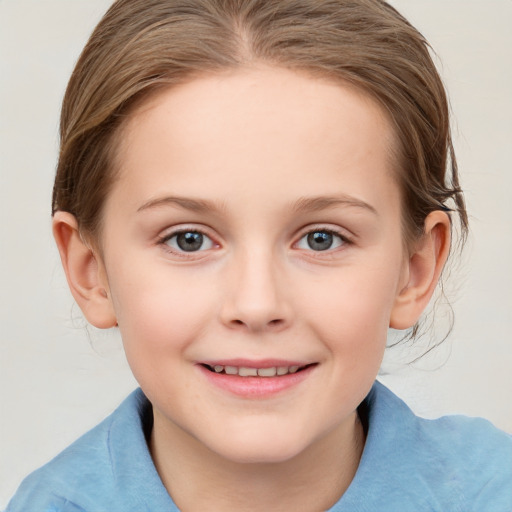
[245, 371]
[256, 380]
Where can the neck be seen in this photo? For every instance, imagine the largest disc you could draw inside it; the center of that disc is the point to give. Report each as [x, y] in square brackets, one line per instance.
[315, 479]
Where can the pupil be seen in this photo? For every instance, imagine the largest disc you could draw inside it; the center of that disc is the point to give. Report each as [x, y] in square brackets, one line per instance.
[320, 240]
[189, 241]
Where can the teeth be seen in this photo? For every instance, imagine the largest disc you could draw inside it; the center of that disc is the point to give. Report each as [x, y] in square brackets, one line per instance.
[267, 372]
[255, 372]
[247, 372]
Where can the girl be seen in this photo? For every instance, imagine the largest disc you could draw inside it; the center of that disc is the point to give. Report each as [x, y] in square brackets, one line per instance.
[254, 192]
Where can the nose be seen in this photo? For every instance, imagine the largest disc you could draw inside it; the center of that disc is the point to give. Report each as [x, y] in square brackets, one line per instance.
[256, 295]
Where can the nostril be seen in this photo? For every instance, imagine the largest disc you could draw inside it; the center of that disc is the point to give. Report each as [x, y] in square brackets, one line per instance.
[272, 323]
[256, 322]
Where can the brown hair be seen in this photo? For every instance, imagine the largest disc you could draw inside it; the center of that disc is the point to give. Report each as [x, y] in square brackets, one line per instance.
[143, 45]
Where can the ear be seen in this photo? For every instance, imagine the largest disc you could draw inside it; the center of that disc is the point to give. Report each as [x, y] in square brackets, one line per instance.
[85, 272]
[422, 271]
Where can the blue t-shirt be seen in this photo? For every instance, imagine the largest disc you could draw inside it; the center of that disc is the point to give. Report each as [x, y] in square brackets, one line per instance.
[452, 464]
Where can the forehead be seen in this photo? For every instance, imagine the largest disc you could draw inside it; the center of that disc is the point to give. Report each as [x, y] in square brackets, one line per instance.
[262, 128]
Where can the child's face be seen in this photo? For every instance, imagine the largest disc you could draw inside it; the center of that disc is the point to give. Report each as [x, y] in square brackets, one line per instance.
[255, 223]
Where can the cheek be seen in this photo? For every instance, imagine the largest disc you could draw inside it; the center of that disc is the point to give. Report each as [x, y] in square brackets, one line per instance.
[352, 313]
[159, 313]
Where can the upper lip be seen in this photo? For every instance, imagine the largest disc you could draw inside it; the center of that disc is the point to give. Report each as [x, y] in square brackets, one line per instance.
[254, 363]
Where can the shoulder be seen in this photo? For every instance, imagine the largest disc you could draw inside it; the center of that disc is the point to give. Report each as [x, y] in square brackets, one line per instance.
[54, 487]
[475, 457]
[94, 473]
[459, 440]
[451, 463]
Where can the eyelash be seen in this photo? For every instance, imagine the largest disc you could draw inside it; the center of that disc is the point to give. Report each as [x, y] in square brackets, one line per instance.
[343, 239]
[164, 241]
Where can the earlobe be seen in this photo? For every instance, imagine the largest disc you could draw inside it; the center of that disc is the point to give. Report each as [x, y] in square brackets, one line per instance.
[423, 270]
[84, 272]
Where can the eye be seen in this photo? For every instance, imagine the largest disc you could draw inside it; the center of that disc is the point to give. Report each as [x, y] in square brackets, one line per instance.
[189, 241]
[321, 240]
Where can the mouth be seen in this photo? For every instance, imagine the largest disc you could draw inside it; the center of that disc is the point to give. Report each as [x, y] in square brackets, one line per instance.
[256, 380]
[247, 371]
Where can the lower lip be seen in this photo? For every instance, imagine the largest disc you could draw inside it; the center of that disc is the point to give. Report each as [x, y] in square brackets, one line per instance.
[256, 387]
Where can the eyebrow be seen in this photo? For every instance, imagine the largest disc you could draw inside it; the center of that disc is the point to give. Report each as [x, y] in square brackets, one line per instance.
[315, 204]
[196, 205]
[302, 205]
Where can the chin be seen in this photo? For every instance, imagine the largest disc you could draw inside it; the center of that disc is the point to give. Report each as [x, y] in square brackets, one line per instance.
[260, 447]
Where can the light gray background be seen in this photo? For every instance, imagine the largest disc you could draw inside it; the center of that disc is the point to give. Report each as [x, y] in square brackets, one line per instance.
[56, 381]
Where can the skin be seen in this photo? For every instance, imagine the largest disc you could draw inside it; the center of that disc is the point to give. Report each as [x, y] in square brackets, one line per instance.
[258, 151]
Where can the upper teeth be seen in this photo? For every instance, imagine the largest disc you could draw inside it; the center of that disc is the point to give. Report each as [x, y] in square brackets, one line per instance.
[243, 371]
